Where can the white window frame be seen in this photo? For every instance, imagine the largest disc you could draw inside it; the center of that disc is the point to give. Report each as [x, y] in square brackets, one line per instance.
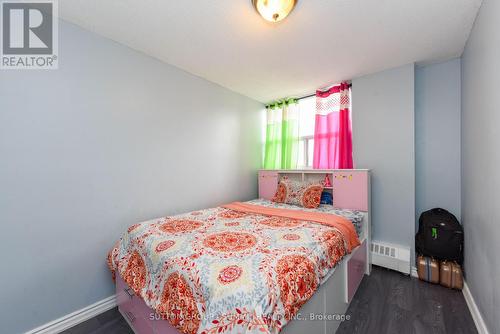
[304, 140]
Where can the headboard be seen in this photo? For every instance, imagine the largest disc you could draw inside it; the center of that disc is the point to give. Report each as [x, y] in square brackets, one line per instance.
[350, 187]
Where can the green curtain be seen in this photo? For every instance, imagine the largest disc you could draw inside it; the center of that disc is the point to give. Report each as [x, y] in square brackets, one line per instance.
[282, 135]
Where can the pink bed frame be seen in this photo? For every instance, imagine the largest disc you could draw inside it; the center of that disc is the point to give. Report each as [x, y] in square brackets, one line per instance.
[351, 190]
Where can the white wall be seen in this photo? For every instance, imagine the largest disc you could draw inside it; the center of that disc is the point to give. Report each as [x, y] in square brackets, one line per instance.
[111, 138]
[480, 161]
[383, 140]
[437, 137]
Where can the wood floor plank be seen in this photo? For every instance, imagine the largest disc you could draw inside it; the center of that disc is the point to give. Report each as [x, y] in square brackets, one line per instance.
[390, 302]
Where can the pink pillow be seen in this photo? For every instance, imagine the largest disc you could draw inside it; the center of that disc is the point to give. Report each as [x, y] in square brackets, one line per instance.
[306, 194]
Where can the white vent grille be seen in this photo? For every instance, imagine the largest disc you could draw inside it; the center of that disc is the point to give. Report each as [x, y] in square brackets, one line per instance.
[391, 256]
[384, 250]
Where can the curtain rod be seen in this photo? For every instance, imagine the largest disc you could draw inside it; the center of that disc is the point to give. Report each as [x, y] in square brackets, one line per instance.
[305, 97]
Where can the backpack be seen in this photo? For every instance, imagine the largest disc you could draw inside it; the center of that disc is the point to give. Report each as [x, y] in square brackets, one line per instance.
[440, 235]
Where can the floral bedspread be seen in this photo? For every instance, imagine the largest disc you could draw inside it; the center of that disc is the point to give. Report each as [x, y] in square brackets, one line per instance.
[224, 271]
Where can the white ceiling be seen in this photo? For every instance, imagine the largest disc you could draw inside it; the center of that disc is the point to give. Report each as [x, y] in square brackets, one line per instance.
[322, 42]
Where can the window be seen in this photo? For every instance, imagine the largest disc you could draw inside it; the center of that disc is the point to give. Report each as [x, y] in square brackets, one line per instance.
[307, 114]
[290, 131]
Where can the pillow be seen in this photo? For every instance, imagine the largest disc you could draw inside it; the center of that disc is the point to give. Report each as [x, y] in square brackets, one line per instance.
[305, 194]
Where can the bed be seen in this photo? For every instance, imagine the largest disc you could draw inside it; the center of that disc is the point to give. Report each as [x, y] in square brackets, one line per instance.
[254, 267]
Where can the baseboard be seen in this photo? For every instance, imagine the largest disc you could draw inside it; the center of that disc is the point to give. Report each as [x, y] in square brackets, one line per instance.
[73, 319]
[414, 272]
[474, 310]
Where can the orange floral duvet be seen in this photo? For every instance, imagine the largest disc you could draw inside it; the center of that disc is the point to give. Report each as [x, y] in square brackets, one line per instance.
[232, 269]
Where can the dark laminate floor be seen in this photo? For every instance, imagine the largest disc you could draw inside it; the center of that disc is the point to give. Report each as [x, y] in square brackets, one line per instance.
[110, 322]
[386, 302]
[389, 302]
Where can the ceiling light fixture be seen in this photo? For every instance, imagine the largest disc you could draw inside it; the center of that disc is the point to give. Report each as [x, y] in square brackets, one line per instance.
[274, 10]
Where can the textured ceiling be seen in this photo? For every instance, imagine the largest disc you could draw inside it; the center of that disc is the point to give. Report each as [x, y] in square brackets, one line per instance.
[322, 41]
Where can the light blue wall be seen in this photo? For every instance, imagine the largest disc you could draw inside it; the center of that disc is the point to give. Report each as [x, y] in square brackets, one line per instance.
[437, 137]
[383, 140]
[111, 138]
[481, 160]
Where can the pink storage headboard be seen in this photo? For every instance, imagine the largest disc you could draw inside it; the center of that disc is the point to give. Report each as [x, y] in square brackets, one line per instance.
[351, 187]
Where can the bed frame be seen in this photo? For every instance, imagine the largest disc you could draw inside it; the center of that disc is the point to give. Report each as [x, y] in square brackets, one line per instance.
[351, 190]
[324, 312]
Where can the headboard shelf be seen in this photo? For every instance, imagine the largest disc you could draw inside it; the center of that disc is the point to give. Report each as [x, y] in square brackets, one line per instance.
[313, 171]
[350, 187]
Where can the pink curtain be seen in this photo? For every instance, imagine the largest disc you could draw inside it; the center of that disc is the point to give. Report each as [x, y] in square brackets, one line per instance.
[332, 132]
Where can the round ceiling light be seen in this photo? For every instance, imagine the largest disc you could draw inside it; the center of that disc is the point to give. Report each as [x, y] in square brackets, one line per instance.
[274, 10]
